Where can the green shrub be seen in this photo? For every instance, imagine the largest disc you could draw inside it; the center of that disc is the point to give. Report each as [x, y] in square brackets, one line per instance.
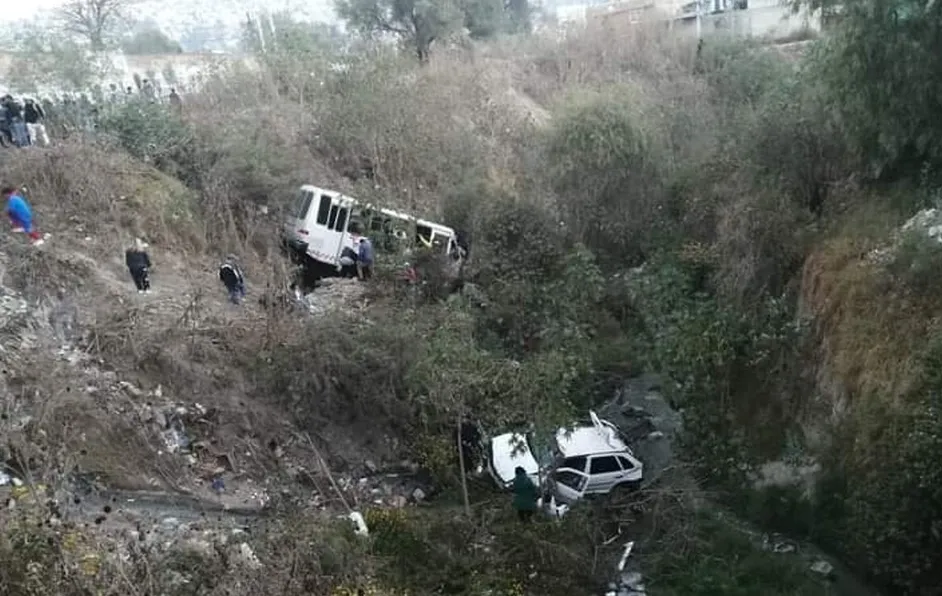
[709, 557]
[608, 158]
[148, 131]
[718, 359]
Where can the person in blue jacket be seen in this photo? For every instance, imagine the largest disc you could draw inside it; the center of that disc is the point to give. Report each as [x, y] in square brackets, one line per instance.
[20, 214]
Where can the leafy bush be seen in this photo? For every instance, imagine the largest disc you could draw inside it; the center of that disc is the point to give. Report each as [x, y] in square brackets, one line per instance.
[718, 360]
[889, 121]
[608, 162]
[709, 557]
[149, 131]
[893, 493]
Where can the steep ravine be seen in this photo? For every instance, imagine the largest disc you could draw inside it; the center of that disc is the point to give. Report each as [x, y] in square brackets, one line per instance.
[642, 409]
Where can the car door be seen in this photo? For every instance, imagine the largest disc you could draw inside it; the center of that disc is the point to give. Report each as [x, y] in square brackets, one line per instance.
[631, 469]
[604, 473]
[337, 222]
[569, 484]
[294, 227]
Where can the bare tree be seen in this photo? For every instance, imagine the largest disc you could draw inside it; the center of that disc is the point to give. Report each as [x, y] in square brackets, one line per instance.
[93, 20]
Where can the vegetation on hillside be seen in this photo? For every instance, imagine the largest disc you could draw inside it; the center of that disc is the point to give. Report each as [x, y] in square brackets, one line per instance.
[700, 214]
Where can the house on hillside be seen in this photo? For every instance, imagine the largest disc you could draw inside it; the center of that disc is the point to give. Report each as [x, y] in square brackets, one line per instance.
[744, 18]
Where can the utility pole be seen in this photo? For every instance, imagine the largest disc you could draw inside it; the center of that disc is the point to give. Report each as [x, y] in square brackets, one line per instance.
[461, 462]
[258, 27]
[699, 24]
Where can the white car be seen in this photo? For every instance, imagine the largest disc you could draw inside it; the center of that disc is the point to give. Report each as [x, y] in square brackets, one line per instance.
[589, 459]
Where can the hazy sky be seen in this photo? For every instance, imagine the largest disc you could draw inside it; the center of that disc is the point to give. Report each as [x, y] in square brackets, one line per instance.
[24, 10]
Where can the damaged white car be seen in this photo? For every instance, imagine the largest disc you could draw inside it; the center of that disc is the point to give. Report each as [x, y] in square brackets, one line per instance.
[588, 459]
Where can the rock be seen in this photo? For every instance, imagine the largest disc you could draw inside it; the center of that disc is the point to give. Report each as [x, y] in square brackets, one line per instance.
[131, 389]
[419, 495]
[371, 466]
[398, 501]
[822, 567]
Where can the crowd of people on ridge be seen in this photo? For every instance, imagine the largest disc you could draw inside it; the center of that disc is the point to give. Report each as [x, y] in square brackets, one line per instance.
[26, 121]
[22, 124]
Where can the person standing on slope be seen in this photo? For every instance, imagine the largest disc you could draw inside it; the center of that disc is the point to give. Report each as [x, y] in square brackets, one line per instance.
[231, 276]
[526, 495]
[138, 262]
[20, 214]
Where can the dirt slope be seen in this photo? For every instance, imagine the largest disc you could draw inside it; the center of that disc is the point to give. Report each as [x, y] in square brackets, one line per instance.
[113, 390]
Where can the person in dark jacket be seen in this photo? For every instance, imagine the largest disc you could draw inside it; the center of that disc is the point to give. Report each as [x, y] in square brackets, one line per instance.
[526, 495]
[348, 262]
[34, 115]
[138, 263]
[15, 121]
[231, 276]
[6, 135]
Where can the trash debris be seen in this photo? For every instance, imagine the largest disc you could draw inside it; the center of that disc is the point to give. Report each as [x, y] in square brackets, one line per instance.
[359, 524]
[822, 567]
[778, 544]
[624, 557]
[248, 556]
[552, 508]
[90, 565]
[21, 491]
[131, 389]
[633, 581]
[175, 440]
[418, 494]
[5, 478]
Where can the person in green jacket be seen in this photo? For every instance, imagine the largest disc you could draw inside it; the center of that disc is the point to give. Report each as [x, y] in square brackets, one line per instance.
[525, 495]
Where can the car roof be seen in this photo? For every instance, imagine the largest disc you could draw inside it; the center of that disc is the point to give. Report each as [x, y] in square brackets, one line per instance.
[599, 437]
[510, 450]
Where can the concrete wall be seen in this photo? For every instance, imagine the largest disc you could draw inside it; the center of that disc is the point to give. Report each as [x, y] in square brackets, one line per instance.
[762, 18]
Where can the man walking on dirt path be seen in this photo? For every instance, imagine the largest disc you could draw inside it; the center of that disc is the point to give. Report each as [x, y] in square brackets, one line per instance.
[230, 274]
[525, 495]
[20, 214]
[138, 262]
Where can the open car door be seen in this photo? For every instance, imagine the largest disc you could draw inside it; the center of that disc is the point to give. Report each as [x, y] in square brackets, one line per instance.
[569, 484]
